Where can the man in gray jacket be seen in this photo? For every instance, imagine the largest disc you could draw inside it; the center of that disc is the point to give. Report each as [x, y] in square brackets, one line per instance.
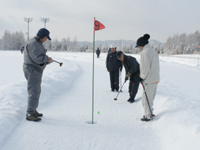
[149, 74]
[35, 61]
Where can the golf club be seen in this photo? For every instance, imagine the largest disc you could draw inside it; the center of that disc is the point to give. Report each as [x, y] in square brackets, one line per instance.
[120, 90]
[147, 99]
[58, 63]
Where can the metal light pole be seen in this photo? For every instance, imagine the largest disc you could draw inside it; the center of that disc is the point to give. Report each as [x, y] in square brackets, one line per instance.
[28, 20]
[45, 20]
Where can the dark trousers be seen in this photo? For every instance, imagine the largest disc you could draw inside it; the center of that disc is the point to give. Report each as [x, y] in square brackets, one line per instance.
[133, 87]
[114, 80]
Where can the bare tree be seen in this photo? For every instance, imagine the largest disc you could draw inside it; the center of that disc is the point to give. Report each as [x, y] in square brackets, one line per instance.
[75, 44]
[12, 41]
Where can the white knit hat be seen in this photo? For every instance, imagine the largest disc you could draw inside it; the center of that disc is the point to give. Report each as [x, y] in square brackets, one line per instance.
[112, 46]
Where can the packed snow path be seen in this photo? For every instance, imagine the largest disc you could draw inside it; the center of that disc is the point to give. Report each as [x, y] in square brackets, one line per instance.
[66, 106]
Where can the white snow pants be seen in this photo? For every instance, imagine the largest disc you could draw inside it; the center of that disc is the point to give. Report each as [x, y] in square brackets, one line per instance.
[151, 92]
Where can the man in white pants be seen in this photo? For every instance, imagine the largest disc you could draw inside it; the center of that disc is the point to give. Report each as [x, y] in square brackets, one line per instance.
[149, 74]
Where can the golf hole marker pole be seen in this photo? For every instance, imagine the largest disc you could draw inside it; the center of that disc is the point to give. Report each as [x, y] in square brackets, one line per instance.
[97, 26]
[93, 78]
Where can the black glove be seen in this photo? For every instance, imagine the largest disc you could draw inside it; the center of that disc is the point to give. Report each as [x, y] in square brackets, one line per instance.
[141, 80]
[127, 76]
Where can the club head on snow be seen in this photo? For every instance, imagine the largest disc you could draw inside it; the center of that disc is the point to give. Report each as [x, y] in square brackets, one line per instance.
[61, 64]
[115, 98]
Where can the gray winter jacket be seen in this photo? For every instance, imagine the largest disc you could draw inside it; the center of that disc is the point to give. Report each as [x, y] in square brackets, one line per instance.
[149, 65]
[35, 54]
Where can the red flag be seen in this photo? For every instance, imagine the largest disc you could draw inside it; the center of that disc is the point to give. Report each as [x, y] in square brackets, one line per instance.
[98, 25]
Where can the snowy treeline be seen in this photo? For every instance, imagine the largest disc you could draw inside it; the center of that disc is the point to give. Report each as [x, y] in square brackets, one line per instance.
[123, 45]
[183, 44]
[15, 41]
[75, 46]
[12, 41]
[64, 45]
[177, 44]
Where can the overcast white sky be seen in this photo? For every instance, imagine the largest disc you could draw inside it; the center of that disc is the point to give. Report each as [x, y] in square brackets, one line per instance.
[123, 19]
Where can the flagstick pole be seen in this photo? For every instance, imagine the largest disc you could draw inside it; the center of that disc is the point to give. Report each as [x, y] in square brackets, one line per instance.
[93, 79]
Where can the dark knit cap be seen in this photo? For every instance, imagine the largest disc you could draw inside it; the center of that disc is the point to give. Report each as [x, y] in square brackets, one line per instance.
[142, 41]
[119, 53]
[42, 33]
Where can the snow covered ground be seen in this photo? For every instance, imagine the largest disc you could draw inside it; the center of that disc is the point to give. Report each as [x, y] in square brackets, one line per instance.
[66, 101]
[190, 60]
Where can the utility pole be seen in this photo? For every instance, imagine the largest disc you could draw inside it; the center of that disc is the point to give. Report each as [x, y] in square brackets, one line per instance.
[45, 20]
[28, 20]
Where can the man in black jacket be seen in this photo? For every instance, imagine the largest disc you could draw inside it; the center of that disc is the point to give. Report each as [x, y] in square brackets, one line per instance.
[98, 52]
[132, 71]
[113, 66]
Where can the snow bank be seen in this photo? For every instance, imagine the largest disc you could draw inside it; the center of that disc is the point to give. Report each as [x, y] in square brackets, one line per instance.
[177, 121]
[13, 96]
[184, 60]
[177, 105]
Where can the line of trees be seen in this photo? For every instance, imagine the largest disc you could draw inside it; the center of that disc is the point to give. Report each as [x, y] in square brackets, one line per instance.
[177, 44]
[183, 44]
[64, 45]
[12, 41]
[16, 40]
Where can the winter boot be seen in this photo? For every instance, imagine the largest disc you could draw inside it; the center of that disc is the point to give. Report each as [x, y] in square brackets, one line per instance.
[145, 119]
[32, 117]
[130, 100]
[38, 114]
